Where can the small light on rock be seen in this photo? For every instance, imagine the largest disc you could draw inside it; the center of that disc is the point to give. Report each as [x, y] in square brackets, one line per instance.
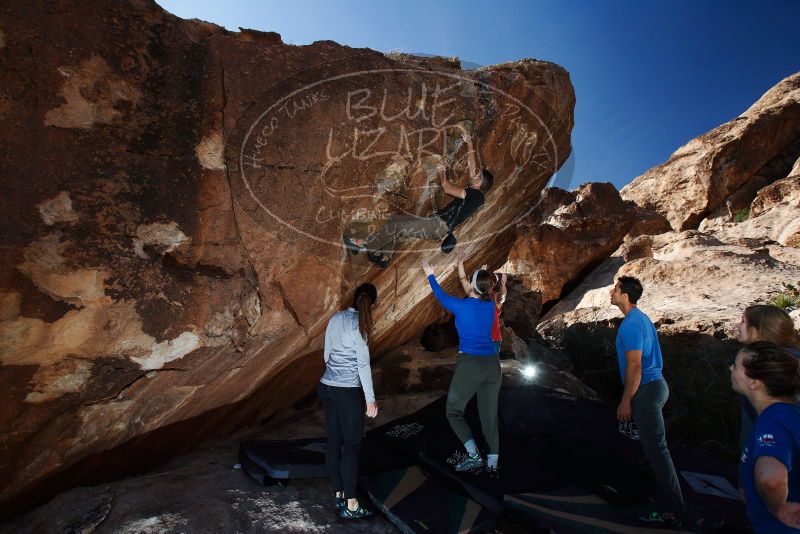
[529, 371]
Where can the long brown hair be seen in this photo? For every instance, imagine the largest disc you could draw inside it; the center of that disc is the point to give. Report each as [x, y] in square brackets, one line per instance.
[364, 299]
[778, 370]
[772, 324]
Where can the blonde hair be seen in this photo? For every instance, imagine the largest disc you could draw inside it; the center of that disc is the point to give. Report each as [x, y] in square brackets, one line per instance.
[772, 324]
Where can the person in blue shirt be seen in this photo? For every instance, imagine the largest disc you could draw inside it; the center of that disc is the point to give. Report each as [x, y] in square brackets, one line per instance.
[762, 322]
[347, 374]
[477, 369]
[769, 471]
[644, 396]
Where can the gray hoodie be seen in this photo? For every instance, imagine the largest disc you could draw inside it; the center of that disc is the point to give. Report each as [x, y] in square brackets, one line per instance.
[347, 355]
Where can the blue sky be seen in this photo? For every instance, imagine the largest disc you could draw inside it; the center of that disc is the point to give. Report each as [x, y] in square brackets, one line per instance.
[648, 76]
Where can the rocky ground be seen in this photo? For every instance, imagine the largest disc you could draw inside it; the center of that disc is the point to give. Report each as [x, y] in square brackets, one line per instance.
[205, 491]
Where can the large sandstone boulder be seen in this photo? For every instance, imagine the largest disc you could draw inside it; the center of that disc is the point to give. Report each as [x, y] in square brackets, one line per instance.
[172, 203]
[695, 289]
[568, 234]
[700, 176]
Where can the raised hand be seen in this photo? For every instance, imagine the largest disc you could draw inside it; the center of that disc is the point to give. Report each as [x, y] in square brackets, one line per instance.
[427, 268]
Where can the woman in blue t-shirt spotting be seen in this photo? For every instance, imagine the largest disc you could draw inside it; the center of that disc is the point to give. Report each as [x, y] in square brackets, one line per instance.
[762, 322]
[769, 472]
[477, 368]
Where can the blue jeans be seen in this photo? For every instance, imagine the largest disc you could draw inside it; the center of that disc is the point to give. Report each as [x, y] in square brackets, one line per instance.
[646, 406]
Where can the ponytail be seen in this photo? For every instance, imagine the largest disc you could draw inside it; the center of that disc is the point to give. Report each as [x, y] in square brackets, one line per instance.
[364, 307]
[364, 299]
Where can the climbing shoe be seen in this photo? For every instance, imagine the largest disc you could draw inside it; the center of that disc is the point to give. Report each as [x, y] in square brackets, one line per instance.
[339, 502]
[350, 245]
[472, 461]
[358, 513]
[378, 259]
[667, 519]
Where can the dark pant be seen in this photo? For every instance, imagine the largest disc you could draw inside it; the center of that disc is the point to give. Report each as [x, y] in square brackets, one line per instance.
[647, 404]
[405, 227]
[481, 375]
[344, 423]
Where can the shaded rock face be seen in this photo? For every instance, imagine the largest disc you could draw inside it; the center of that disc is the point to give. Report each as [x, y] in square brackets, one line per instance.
[696, 287]
[700, 176]
[773, 217]
[523, 306]
[568, 233]
[440, 336]
[172, 202]
[737, 205]
[786, 191]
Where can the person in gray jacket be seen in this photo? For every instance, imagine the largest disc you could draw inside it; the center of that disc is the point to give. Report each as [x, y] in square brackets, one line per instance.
[347, 373]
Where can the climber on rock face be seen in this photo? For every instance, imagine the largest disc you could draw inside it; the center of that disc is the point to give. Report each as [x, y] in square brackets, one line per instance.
[380, 244]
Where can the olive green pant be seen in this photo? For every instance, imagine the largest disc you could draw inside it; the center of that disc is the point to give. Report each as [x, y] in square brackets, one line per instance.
[475, 375]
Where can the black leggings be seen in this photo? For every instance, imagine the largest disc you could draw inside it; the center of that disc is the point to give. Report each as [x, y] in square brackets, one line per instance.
[344, 423]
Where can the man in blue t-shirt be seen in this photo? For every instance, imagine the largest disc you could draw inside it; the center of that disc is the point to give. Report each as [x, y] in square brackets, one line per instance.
[644, 396]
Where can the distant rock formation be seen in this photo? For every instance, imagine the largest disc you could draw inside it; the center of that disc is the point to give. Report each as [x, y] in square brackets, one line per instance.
[726, 166]
[570, 232]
